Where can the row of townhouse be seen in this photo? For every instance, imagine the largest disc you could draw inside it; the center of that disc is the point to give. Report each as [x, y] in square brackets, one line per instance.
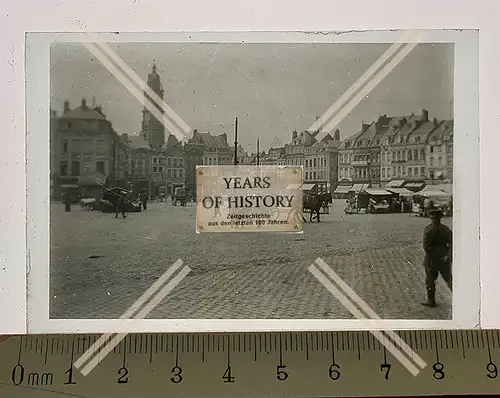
[413, 148]
[318, 157]
[174, 164]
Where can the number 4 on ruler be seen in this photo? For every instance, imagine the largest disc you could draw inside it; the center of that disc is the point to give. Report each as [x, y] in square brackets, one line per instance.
[227, 377]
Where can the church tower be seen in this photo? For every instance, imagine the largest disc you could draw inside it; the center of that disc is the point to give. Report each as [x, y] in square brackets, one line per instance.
[152, 129]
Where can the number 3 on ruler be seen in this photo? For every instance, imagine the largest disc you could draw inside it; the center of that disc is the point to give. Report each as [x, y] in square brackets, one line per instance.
[177, 378]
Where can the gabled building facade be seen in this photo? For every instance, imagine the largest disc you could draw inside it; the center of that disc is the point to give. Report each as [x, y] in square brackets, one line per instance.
[216, 150]
[84, 142]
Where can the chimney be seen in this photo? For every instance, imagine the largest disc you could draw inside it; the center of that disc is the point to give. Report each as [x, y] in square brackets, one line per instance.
[66, 106]
[195, 132]
[294, 135]
[224, 137]
[425, 115]
[364, 127]
[336, 135]
[84, 103]
[434, 122]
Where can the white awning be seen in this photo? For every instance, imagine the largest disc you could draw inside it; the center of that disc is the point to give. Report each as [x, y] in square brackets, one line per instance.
[447, 188]
[358, 187]
[342, 189]
[308, 187]
[376, 191]
[400, 191]
[395, 183]
[430, 194]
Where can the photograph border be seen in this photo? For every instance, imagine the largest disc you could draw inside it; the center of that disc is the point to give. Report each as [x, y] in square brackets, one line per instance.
[466, 215]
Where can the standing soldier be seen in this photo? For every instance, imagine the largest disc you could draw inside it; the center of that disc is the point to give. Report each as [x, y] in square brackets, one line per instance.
[67, 200]
[144, 196]
[438, 255]
[120, 206]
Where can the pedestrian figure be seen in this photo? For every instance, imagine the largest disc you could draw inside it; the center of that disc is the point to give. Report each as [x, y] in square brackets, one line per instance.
[120, 207]
[438, 255]
[144, 200]
[67, 201]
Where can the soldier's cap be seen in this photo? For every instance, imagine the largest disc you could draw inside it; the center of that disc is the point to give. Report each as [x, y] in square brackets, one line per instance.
[437, 213]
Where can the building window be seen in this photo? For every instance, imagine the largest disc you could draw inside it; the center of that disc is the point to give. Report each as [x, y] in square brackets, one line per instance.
[65, 147]
[422, 171]
[100, 167]
[169, 162]
[155, 169]
[70, 125]
[383, 173]
[75, 168]
[63, 168]
[410, 157]
[410, 171]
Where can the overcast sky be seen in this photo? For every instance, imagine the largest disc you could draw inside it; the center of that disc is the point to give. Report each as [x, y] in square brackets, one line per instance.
[272, 88]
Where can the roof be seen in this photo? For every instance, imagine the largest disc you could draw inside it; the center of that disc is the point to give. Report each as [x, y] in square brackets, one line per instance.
[423, 129]
[83, 112]
[351, 139]
[443, 128]
[211, 141]
[137, 142]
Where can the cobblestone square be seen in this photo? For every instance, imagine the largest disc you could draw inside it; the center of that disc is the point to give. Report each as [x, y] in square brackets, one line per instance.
[101, 265]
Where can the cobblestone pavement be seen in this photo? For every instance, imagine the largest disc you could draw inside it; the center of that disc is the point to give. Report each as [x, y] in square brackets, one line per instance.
[236, 275]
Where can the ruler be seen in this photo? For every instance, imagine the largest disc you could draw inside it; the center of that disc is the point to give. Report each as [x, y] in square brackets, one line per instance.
[252, 364]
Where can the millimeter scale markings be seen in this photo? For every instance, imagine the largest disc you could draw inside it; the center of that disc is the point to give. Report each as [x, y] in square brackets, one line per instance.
[301, 363]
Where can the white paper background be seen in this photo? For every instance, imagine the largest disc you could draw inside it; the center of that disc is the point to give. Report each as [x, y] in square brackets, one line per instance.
[122, 15]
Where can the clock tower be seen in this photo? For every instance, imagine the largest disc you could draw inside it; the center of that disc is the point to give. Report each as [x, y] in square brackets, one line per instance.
[152, 129]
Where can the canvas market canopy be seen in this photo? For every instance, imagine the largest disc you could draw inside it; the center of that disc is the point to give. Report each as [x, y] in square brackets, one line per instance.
[358, 187]
[395, 183]
[377, 192]
[400, 191]
[343, 189]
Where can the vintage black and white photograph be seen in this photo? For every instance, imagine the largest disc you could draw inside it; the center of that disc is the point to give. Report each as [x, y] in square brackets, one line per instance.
[371, 124]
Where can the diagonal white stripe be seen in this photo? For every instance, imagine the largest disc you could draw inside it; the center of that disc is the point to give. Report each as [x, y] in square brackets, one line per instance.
[368, 311]
[357, 313]
[131, 311]
[370, 86]
[361, 81]
[141, 315]
[138, 94]
[140, 82]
